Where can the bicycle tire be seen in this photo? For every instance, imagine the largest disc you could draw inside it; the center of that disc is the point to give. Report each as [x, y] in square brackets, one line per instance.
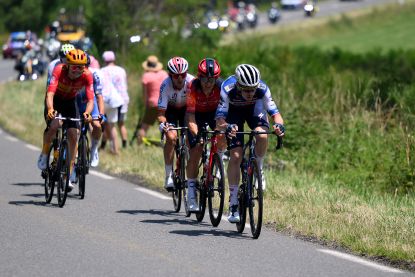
[240, 226]
[216, 189]
[255, 199]
[176, 194]
[63, 174]
[88, 155]
[49, 175]
[82, 166]
[202, 194]
[183, 181]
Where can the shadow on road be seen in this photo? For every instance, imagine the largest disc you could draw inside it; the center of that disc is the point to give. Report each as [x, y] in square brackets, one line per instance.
[27, 184]
[152, 211]
[212, 232]
[30, 202]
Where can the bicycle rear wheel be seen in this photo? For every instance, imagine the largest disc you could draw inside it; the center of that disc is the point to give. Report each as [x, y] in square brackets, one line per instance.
[81, 167]
[240, 226]
[201, 195]
[216, 193]
[48, 174]
[63, 174]
[255, 199]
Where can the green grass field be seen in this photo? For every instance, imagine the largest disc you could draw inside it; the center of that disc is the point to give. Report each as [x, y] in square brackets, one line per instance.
[346, 175]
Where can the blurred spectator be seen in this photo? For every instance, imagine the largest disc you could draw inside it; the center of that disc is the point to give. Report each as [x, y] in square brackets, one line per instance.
[117, 76]
[151, 81]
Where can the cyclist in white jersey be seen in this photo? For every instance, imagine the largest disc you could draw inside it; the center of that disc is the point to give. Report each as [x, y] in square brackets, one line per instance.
[172, 109]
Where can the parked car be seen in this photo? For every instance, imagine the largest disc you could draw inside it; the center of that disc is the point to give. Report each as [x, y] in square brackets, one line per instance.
[14, 45]
[292, 4]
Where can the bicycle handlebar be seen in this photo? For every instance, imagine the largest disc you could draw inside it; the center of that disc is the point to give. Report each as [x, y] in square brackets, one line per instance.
[253, 133]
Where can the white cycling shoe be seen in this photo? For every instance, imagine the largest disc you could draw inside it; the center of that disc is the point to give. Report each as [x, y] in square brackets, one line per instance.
[234, 214]
[42, 162]
[168, 183]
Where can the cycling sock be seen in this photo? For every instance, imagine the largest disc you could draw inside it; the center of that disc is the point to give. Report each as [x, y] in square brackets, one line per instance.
[233, 197]
[94, 144]
[45, 149]
[124, 143]
[168, 169]
[260, 161]
[192, 186]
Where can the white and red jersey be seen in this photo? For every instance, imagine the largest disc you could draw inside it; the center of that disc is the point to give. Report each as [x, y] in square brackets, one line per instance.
[171, 97]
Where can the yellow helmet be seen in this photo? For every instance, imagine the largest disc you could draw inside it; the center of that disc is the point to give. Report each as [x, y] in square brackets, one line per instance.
[76, 57]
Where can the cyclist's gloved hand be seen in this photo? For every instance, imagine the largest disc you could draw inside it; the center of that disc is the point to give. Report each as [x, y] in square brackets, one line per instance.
[279, 129]
[231, 129]
[51, 114]
[102, 118]
[163, 127]
[87, 117]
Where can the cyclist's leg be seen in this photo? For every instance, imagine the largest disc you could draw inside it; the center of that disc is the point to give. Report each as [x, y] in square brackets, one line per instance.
[95, 135]
[70, 109]
[259, 122]
[48, 135]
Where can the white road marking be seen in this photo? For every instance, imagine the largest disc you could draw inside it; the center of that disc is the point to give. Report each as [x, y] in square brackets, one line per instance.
[32, 147]
[11, 138]
[360, 261]
[102, 175]
[153, 193]
[1, 131]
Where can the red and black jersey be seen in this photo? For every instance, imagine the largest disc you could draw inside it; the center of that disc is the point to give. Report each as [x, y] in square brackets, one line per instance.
[65, 88]
[197, 101]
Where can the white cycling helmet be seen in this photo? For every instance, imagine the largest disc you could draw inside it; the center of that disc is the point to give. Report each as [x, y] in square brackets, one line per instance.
[65, 49]
[177, 65]
[247, 75]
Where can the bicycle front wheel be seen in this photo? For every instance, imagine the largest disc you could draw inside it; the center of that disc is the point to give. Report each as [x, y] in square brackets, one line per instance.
[82, 165]
[176, 194]
[201, 193]
[240, 226]
[63, 174]
[255, 199]
[183, 180]
[216, 192]
[49, 174]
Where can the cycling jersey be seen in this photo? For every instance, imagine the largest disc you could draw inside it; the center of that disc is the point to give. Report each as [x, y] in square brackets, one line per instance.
[170, 97]
[197, 101]
[67, 89]
[51, 66]
[230, 96]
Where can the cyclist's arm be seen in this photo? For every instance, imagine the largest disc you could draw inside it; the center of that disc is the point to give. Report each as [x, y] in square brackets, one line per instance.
[192, 123]
[100, 102]
[222, 110]
[89, 92]
[161, 116]
[49, 100]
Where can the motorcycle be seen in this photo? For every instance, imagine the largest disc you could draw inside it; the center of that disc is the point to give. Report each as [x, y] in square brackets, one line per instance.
[309, 9]
[273, 15]
[30, 67]
[52, 49]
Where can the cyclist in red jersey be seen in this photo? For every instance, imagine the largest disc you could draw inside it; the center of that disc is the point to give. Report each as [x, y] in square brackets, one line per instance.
[67, 80]
[202, 101]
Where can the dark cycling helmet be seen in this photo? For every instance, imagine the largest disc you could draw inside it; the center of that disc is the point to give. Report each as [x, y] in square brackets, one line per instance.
[65, 48]
[177, 65]
[247, 75]
[76, 57]
[208, 68]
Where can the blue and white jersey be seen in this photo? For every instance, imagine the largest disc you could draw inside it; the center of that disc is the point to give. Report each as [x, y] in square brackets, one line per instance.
[230, 96]
[51, 66]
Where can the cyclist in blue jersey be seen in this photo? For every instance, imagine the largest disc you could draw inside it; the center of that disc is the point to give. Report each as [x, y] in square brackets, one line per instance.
[245, 98]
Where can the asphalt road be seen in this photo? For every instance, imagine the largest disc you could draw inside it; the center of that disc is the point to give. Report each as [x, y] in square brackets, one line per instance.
[120, 229]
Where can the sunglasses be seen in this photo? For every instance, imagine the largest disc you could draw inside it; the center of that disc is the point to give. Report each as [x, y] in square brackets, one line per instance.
[176, 76]
[207, 80]
[246, 89]
[76, 67]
